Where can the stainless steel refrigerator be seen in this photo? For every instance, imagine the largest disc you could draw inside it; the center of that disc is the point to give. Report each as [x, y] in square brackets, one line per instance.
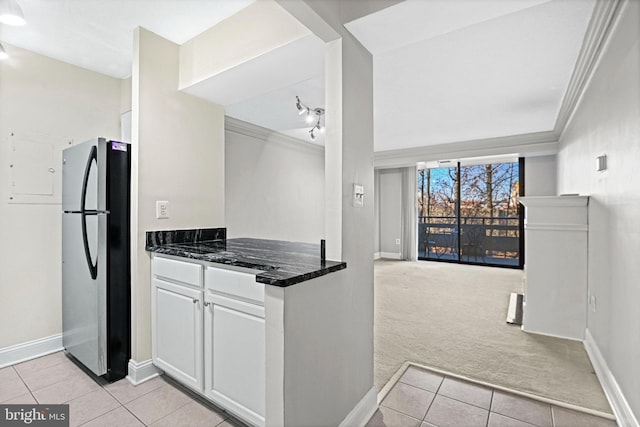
[96, 255]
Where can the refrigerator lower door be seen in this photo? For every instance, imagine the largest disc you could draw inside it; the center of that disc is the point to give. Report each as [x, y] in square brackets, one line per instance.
[84, 305]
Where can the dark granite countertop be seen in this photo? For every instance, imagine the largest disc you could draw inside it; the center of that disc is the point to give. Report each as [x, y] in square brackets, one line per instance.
[282, 263]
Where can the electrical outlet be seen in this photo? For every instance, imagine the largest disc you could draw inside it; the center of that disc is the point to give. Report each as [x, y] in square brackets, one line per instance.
[397, 241]
[162, 209]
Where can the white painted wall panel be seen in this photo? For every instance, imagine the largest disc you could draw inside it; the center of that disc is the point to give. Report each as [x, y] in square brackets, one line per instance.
[274, 190]
[540, 176]
[390, 210]
[178, 156]
[607, 122]
[54, 102]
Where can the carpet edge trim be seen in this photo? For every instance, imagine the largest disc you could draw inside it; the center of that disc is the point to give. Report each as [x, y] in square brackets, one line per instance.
[396, 377]
[363, 411]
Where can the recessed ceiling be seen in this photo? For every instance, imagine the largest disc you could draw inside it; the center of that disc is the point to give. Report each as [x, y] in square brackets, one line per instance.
[98, 34]
[479, 73]
[277, 109]
[411, 21]
[263, 90]
[444, 70]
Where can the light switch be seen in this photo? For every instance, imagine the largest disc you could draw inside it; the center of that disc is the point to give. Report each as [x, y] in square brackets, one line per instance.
[358, 195]
[162, 209]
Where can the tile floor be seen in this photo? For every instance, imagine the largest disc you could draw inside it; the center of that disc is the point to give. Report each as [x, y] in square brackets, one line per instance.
[56, 379]
[421, 398]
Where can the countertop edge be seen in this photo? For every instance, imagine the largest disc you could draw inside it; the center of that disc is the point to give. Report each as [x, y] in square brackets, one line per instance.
[273, 274]
[283, 283]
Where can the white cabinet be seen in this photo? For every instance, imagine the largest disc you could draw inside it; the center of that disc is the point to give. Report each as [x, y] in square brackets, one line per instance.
[211, 339]
[556, 230]
[176, 312]
[234, 338]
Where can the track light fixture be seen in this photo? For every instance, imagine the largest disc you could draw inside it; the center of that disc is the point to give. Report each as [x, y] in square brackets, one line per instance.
[312, 115]
[317, 127]
[302, 109]
[11, 13]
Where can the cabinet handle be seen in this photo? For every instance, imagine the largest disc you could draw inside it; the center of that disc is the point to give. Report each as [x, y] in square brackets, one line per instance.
[206, 304]
[195, 300]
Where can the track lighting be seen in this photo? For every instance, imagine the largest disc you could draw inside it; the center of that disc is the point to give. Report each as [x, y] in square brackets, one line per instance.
[302, 109]
[309, 118]
[11, 13]
[312, 114]
[318, 126]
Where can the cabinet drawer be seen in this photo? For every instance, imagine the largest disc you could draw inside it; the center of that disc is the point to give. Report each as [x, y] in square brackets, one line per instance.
[185, 272]
[241, 284]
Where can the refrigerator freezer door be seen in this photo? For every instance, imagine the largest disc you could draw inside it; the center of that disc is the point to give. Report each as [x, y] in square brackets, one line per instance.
[79, 172]
[83, 298]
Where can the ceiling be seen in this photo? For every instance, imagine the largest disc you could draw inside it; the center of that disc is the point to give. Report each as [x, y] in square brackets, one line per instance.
[98, 34]
[444, 70]
[461, 70]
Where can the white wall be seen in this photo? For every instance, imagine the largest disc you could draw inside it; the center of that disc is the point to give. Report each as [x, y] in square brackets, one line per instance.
[125, 95]
[376, 213]
[274, 186]
[607, 121]
[45, 101]
[312, 398]
[540, 176]
[178, 156]
[390, 211]
[229, 43]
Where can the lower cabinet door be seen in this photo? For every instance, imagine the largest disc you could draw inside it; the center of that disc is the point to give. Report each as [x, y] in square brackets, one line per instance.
[177, 332]
[235, 356]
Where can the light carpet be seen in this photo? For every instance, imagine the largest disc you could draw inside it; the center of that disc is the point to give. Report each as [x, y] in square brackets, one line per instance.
[452, 317]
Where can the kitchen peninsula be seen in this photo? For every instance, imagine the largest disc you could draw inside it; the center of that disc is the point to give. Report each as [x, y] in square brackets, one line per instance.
[242, 321]
[284, 263]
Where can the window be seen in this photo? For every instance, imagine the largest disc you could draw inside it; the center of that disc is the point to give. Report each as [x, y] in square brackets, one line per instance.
[470, 214]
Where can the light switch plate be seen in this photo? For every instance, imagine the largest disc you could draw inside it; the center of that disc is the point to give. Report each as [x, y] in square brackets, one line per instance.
[162, 209]
[358, 195]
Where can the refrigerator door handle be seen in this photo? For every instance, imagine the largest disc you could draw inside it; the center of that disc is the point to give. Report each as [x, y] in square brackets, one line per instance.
[93, 157]
[93, 268]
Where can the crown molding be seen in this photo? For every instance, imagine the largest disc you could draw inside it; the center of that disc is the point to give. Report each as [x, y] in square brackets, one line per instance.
[249, 129]
[530, 144]
[597, 33]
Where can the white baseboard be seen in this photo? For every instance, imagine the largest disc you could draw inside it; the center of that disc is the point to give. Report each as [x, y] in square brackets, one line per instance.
[619, 405]
[390, 255]
[376, 255]
[564, 337]
[140, 372]
[30, 350]
[363, 411]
